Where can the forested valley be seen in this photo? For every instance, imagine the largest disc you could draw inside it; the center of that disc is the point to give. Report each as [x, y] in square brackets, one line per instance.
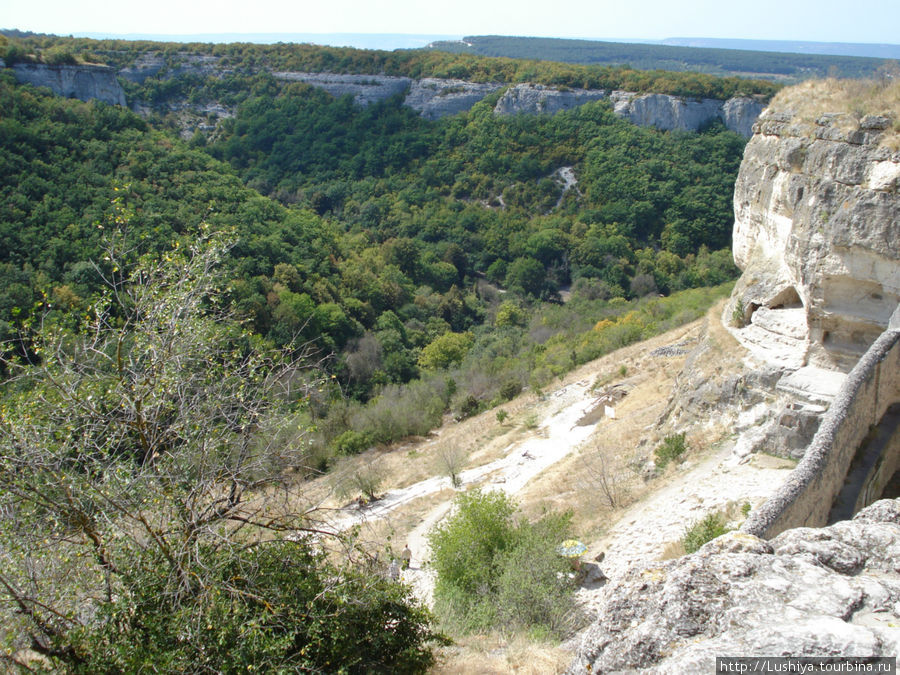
[404, 271]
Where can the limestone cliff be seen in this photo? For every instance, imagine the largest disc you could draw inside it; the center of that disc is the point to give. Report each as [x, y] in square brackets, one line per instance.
[676, 113]
[817, 226]
[826, 592]
[81, 82]
[434, 98]
[365, 89]
[537, 99]
[662, 111]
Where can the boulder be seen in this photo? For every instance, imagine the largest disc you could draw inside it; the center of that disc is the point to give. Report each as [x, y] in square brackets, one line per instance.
[809, 592]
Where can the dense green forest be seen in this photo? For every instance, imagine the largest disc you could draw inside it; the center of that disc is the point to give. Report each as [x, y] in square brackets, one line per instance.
[369, 230]
[191, 326]
[734, 62]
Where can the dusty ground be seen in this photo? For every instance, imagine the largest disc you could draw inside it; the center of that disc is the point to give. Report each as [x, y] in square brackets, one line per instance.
[559, 451]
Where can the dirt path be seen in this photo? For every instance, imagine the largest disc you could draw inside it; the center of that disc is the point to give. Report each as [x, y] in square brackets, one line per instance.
[643, 532]
[719, 482]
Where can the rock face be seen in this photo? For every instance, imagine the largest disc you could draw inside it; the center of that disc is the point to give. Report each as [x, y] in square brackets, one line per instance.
[668, 113]
[365, 89]
[671, 113]
[81, 82]
[833, 591]
[434, 98]
[817, 221]
[535, 99]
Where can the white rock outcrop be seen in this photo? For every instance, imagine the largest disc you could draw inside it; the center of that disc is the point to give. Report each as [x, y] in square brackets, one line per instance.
[534, 99]
[808, 592]
[817, 229]
[82, 82]
[671, 113]
[434, 98]
[365, 89]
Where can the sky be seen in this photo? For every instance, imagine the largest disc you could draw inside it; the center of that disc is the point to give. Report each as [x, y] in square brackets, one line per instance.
[876, 21]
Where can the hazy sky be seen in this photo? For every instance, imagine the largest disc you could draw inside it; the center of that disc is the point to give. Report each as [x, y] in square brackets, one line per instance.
[875, 21]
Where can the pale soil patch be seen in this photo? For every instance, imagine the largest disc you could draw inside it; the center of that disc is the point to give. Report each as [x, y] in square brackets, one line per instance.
[493, 655]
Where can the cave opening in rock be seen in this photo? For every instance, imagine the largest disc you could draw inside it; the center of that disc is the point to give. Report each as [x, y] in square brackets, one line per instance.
[788, 298]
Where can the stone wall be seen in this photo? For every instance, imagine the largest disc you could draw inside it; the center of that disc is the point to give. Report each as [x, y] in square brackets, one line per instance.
[869, 390]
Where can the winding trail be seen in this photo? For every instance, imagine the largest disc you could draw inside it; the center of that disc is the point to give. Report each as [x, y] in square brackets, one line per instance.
[557, 435]
[718, 480]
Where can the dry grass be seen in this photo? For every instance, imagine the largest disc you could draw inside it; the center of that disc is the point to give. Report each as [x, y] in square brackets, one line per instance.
[387, 535]
[493, 655]
[603, 477]
[855, 98]
[597, 482]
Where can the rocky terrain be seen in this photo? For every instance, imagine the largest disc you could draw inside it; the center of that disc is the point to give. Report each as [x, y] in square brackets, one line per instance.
[81, 82]
[816, 213]
[430, 97]
[833, 591]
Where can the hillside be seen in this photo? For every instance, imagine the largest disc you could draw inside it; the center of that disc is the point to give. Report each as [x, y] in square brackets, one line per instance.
[248, 317]
[196, 328]
[741, 62]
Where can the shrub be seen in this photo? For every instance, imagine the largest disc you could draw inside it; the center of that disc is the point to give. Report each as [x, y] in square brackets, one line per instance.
[497, 571]
[351, 443]
[672, 447]
[447, 350]
[275, 606]
[510, 390]
[706, 529]
[738, 318]
[468, 407]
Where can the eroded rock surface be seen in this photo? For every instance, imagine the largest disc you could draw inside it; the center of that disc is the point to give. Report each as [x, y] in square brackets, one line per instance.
[537, 99]
[817, 226]
[81, 82]
[816, 592]
[434, 98]
[365, 89]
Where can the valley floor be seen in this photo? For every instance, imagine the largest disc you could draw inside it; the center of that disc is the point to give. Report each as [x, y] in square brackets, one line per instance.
[579, 446]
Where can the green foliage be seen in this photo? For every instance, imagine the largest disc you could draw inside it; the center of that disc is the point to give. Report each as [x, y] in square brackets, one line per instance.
[276, 607]
[447, 350]
[497, 572]
[351, 443]
[706, 529]
[738, 314]
[138, 457]
[662, 58]
[509, 314]
[672, 448]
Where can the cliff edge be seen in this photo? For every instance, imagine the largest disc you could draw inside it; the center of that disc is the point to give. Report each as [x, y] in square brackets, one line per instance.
[82, 82]
[817, 226]
[833, 591]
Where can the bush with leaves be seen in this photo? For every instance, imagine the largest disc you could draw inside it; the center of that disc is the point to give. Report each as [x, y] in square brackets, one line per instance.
[148, 515]
[706, 529]
[672, 447]
[497, 571]
[276, 607]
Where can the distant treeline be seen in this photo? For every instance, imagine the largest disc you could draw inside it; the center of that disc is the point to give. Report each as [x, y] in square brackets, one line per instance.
[245, 58]
[739, 62]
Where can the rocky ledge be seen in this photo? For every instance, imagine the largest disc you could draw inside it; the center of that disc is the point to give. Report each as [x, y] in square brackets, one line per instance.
[833, 591]
[816, 211]
[82, 82]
